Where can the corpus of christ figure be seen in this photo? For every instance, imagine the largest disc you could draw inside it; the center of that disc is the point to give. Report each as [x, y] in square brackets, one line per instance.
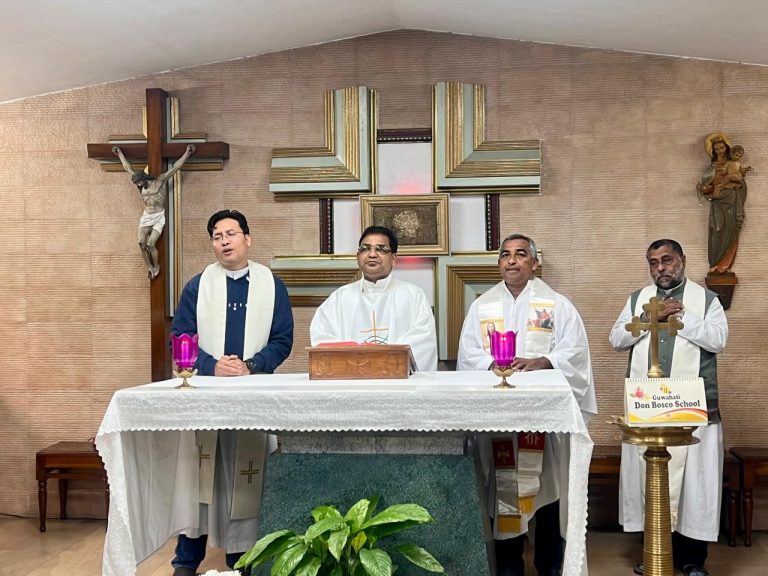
[153, 191]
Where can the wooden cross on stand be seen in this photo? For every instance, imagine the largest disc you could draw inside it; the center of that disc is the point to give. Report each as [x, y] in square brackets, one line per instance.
[671, 326]
[161, 143]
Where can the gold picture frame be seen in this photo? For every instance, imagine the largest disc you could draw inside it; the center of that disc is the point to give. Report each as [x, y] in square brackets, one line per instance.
[345, 165]
[464, 161]
[420, 221]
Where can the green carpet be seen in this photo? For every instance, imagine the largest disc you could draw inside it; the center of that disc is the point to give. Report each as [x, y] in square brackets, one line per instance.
[444, 485]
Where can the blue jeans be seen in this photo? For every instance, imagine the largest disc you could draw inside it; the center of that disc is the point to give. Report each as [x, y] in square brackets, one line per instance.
[190, 552]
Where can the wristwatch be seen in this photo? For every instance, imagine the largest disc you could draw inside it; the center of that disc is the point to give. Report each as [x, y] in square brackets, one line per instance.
[251, 365]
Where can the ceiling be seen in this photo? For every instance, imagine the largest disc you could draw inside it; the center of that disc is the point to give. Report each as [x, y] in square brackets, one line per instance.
[53, 45]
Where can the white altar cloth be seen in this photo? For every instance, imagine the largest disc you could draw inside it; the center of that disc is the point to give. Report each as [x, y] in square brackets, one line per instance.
[147, 442]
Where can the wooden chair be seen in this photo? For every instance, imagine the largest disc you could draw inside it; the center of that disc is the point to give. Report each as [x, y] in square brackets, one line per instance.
[605, 465]
[731, 485]
[754, 466]
[603, 512]
[67, 461]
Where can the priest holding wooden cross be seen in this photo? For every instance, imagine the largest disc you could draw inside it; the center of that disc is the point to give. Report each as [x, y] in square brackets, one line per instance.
[693, 331]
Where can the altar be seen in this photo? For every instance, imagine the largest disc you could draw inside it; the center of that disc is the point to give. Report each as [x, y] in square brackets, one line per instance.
[146, 438]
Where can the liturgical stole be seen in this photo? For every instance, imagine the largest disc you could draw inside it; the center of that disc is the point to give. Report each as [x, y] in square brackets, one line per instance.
[518, 480]
[252, 447]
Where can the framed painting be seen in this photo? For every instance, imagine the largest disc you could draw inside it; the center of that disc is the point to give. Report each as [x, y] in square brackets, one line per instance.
[420, 221]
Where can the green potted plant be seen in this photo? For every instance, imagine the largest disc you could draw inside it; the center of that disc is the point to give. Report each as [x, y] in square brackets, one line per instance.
[337, 545]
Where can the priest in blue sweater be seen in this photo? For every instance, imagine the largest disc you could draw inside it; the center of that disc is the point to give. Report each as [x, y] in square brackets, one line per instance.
[243, 317]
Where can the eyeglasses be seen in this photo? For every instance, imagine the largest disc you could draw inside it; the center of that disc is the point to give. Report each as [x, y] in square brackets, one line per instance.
[229, 235]
[378, 248]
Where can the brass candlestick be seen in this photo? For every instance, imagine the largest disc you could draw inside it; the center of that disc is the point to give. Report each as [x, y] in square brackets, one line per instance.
[184, 374]
[657, 549]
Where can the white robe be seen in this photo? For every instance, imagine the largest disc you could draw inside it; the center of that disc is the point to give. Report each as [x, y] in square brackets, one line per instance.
[403, 316]
[698, 513]
[569, 353]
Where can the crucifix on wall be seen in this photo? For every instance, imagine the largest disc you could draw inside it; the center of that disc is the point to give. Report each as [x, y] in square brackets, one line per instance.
[161, 143]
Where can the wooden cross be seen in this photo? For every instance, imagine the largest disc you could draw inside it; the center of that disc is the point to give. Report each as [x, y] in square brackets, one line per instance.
[163, 143]
[201, 456]
[250, 472]
[671, 326]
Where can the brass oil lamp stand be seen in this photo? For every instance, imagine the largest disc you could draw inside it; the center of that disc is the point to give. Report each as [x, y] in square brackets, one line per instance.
[657, 549]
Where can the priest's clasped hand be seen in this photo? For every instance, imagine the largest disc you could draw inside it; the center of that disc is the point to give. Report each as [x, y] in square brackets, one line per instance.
[230, 366]
[671, 306]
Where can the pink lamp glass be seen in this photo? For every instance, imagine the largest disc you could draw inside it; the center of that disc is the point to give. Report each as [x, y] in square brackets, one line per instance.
[503, 351]
[184, 350]
[503, 347]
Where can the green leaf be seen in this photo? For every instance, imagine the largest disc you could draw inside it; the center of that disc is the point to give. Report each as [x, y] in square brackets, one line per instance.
[359, 541]
[264, 549]
[323, 512]
[353, 563]
[372, 508]
[288, 560]
[319, 548]
[376, 562]
[358, 514]
[337, 540]
[337, 571]
[309, 566]
[420, 557]
[377, 532]
[400, 513]
[322, 527]
[290, 542]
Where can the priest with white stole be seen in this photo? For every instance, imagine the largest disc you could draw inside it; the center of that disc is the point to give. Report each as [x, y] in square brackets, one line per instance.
[526, 475]
[243, 317]
[695, 472]
[379, 308]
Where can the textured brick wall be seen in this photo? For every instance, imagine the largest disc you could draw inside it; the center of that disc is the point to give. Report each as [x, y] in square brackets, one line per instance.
[622, 143]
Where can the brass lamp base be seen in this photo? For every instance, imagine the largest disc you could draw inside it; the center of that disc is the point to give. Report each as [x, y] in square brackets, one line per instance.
[503, 371]
[657, 549]
[184, 374]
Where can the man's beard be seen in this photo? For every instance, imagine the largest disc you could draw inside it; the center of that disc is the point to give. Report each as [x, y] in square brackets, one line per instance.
[672, 283]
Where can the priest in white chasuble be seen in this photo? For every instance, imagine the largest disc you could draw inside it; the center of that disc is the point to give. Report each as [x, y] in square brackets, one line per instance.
[243, 317]
[524, 474]
[379, 308]
[695, 472]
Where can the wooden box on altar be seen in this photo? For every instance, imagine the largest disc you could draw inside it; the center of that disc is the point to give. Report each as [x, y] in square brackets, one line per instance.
[360, 362]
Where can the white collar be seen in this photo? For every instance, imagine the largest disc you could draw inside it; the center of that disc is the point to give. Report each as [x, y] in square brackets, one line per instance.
[523, 291]
[378, 286]
[236, 274]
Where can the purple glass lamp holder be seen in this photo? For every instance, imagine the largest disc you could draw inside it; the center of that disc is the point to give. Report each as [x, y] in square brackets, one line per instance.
[503, 350]
[184, 349]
